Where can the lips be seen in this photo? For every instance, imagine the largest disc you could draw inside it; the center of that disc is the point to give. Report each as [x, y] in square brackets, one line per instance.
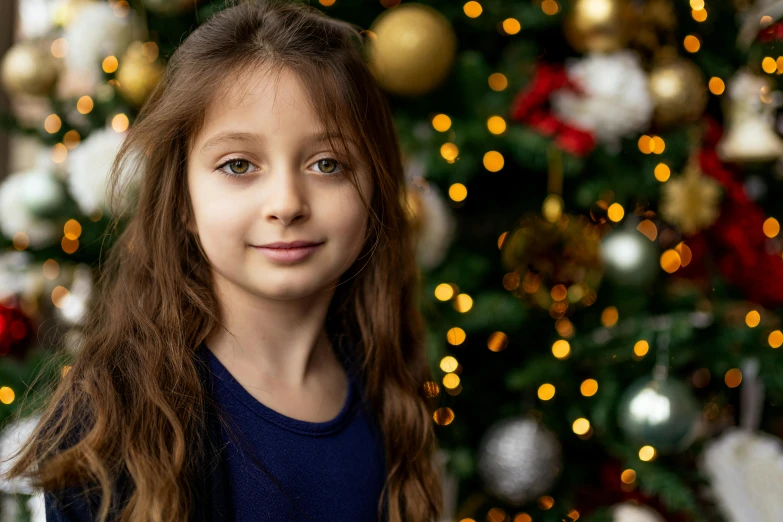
[294, 244]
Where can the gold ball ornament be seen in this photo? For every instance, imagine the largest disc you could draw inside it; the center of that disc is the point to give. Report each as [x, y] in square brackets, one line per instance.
[411, 49]
[598, 25]
[138, 75]
[678, 90]
[29, 69]
[169, 7]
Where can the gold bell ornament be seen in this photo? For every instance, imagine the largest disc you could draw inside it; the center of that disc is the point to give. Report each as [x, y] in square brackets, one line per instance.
[411, 49]
[598, 25]
[138, 74]
[750, 135]
[678, 89]
[28, 68]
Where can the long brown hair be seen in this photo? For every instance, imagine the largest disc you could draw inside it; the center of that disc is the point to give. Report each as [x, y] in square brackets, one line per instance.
[134, 392]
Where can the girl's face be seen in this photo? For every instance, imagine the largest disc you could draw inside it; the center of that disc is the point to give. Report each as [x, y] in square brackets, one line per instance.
[260, 172]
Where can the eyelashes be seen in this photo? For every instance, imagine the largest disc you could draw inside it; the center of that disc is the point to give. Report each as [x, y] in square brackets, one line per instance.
[235, 167]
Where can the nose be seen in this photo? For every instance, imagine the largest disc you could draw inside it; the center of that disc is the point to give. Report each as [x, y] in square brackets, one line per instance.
[285, 196]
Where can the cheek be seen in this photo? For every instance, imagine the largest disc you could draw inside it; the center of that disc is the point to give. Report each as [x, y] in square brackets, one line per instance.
[219, 221]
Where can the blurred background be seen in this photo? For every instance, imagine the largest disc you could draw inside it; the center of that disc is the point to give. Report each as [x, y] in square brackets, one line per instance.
[596, 187]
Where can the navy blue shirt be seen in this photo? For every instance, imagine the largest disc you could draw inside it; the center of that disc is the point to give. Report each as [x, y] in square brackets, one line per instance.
[276, 467]
[332, 470]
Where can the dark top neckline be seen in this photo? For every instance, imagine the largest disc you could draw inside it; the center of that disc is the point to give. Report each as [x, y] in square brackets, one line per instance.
[225, 380]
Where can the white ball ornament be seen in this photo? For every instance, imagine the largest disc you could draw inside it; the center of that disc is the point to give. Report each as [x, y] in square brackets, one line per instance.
[629, 257]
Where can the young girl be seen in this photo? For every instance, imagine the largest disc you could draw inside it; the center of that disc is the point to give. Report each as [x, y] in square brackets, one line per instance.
[255, 350]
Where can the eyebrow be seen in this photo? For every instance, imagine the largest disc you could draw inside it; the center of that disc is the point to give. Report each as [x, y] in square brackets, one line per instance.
[233, 136]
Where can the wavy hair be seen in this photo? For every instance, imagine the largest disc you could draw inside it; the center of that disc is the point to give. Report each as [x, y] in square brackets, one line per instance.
[133, 392]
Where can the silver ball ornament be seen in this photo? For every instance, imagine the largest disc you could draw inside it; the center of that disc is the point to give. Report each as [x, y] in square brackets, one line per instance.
[629, 257]
[519, 460]
[661, 413]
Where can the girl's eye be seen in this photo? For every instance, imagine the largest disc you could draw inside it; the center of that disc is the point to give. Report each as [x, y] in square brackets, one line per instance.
[329, 166]
[237, 167]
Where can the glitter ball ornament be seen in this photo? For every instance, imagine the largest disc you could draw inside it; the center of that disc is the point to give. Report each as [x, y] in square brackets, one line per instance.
[661, 413]
[598, 25]
[555, 265]
[678, 90]
[629, 257]
[519, 460]
[411, 49]
[29, 69]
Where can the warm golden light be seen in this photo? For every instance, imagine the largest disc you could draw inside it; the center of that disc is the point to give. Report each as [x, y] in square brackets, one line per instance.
[451, 380]
[550, 7]
[691, 43]
[733, 378]
[589, 387]
[752, 318]
[444, 292]
[497, 82]
[771, 227]
[641, 348]
[628, 476]
[645, 144]
[53, 123]
[7, 395]
[768, 65]
[448, 364]
[561, 349]
[110, 64]
[662, 172]
[456, 336]
[449, 151]
[615, 212]
[511, 26]
[496, 125]
[69, 246]
[85, 105]
[670, 261]
[463, 303]
[609, 316]
[658, 145]
[441, 123]
[717, 86]
[72, 229]
[546, 392]
[700, 15]
[646, 453]
[71, 139]
[59, 294]
[581, 426]
[493, 161]
[497, 342]
[120, 123]
[472, 9]
[443, 416]
[458, 192]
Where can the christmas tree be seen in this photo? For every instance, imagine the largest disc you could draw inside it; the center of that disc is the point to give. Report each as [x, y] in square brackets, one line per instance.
[594, 189]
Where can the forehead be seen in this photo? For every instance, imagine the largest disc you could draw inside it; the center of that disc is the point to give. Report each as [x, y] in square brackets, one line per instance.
[261, 99]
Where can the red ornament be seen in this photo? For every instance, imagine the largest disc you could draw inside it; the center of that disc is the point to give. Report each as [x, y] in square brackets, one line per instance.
[15, 332]
[531, 107]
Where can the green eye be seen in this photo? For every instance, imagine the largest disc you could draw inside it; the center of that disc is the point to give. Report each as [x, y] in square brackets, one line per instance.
[239, 166]
[326, 169]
